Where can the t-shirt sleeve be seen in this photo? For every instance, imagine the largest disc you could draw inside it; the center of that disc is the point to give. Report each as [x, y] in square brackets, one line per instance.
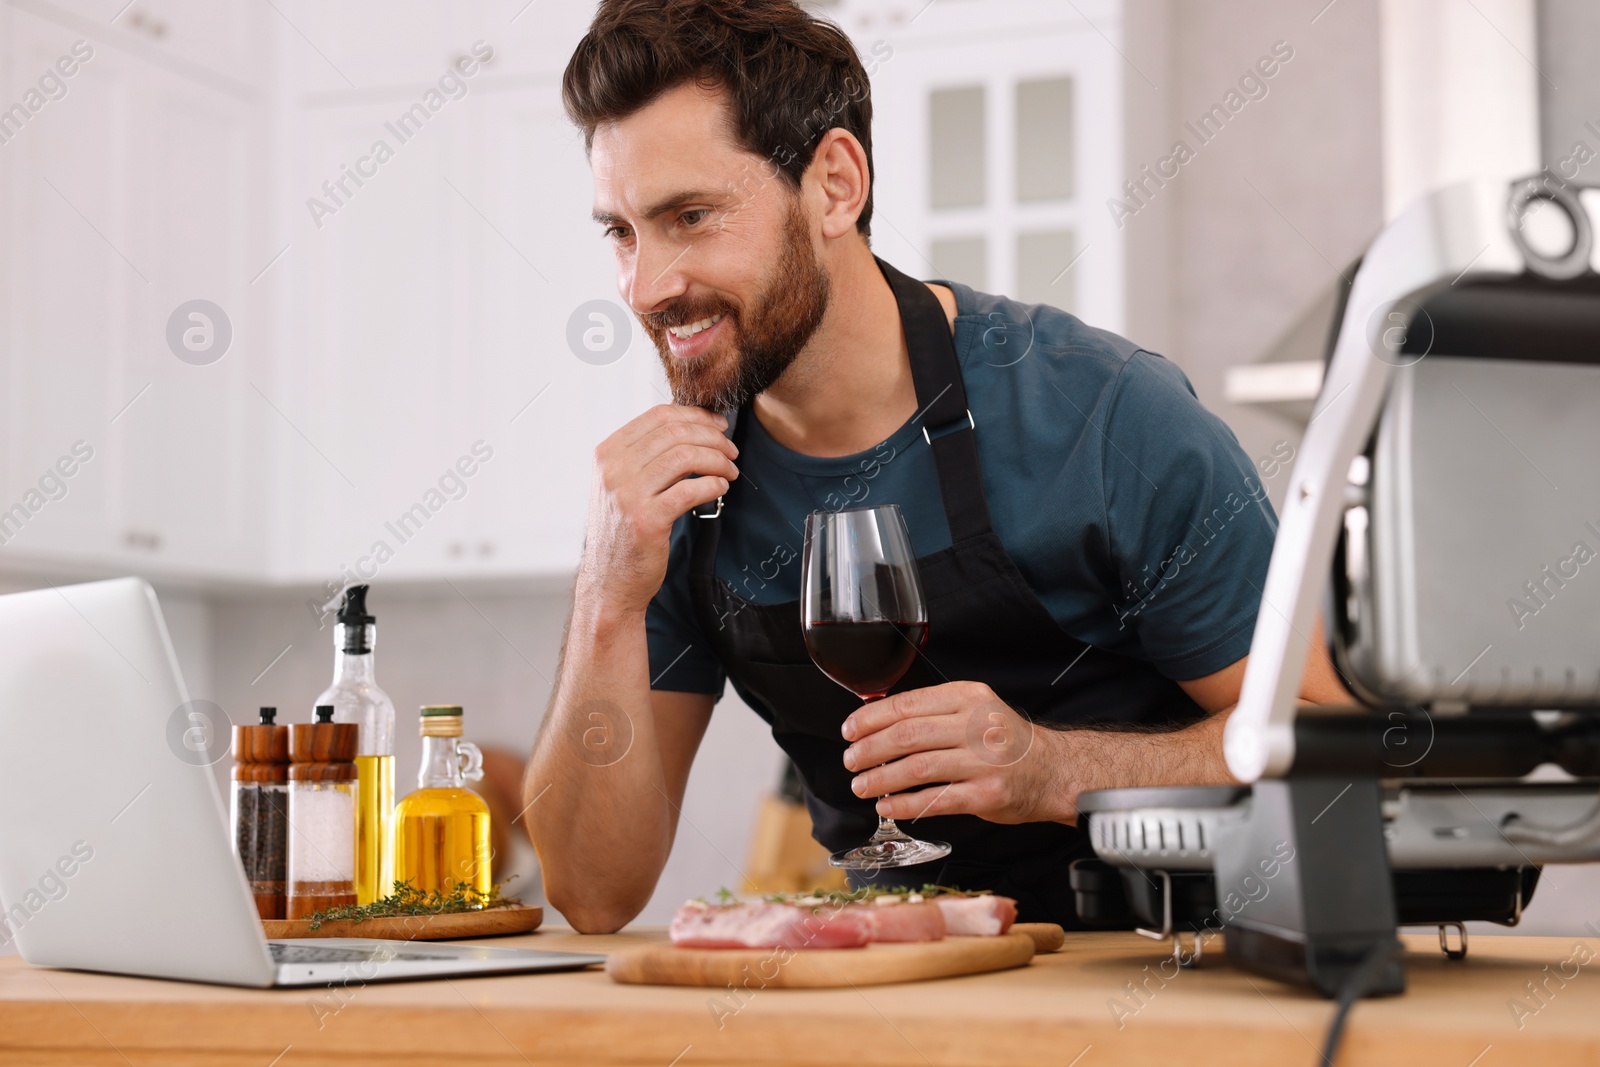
[1189, 524]
[681, 659]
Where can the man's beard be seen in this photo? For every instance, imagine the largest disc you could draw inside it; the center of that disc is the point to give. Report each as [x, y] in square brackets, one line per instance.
[768, 336]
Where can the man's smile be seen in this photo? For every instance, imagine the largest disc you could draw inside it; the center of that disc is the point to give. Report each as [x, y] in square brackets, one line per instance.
[683, 333]
[695, 338]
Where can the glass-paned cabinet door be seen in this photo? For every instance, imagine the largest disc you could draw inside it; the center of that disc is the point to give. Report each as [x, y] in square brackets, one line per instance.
[1043, 140]
[957, 132]
[997, 141]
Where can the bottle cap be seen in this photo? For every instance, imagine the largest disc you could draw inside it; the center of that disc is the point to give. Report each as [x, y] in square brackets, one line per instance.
[355, 620]
[353, 612]
[261, 751]
[441, 720]
[323, 749]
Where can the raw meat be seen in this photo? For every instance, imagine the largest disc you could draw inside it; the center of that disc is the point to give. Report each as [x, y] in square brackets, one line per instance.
[700, 925]
[902, 921]
[980, 916]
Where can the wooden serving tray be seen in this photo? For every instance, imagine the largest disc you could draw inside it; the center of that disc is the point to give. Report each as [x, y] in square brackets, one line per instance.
[452, 926]
[819, 968]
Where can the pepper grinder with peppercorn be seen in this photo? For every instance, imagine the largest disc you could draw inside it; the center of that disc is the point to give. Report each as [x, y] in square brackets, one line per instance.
[322, 814]
[260, 809]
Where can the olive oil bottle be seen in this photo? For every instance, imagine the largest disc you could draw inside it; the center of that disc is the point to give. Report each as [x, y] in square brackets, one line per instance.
[442, 829]
[356, 698]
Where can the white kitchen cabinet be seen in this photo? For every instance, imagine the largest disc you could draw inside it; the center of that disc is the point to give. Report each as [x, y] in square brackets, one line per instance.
[66, 288]
[129, 196]
[189, 447]
[373, 389]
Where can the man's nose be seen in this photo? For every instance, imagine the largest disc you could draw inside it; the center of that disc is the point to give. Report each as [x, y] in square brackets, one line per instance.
[656, 276]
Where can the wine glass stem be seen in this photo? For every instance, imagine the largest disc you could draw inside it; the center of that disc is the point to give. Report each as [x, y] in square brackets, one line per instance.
[886, 827]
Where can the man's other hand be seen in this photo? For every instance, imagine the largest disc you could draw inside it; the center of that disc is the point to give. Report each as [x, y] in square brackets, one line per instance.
[640, 487]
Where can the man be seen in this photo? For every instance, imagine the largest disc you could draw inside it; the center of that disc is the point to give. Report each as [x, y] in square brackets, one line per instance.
[1092, 541]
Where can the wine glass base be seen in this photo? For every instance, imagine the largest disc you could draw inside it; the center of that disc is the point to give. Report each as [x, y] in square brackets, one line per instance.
[891, 852]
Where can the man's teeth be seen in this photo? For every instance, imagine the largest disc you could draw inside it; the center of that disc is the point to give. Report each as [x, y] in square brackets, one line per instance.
[683, 333]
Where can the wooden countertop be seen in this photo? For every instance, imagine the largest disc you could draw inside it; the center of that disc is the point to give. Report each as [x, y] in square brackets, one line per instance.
[1058, 1011]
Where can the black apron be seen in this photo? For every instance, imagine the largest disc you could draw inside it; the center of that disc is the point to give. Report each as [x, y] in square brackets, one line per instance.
[985, 624]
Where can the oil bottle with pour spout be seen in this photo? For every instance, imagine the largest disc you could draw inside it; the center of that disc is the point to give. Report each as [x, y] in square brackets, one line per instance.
[356, 698]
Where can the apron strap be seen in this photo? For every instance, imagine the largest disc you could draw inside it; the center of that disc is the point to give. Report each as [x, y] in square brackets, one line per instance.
[946, 421]
[707, 529]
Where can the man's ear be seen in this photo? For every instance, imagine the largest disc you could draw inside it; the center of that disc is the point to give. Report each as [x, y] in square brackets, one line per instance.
[837, 182]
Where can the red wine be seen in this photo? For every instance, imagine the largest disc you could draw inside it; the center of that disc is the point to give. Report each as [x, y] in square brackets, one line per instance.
[866, 658]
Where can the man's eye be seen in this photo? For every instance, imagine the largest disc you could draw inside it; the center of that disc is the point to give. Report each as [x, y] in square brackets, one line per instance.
[616, 233]
[694, 217]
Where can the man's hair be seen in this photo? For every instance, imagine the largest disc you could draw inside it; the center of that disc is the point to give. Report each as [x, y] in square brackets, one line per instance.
[789, 77]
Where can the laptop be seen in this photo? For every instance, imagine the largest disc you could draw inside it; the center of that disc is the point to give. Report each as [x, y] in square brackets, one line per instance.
[114, 842]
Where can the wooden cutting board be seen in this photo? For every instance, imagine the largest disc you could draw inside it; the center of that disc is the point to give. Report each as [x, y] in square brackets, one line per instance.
[819, 968]
[1047, 937]
[454, 926]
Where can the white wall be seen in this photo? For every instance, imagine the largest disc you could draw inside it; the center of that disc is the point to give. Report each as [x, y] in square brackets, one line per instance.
[1569, 87]
[1460, 94]
[1269, 211]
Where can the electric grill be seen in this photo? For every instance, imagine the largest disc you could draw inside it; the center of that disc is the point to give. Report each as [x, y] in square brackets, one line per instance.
[1444, 515]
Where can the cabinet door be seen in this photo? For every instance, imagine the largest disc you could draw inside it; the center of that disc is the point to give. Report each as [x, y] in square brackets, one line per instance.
[68, 287]
[368, 407]
[189, 485]
[127, 198]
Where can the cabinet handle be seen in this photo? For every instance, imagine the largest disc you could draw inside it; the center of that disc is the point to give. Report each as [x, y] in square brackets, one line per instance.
[459, 58]
[148, 540]
[146, 24]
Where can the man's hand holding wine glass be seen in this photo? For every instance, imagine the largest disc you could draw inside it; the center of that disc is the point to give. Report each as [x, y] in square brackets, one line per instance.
[958, 748]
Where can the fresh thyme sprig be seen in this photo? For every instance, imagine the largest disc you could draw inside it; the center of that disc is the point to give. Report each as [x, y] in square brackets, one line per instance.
[834, 898]
[407, 899]
[872, 892]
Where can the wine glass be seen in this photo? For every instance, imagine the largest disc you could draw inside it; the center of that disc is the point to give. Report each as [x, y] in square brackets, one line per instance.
[865, 620]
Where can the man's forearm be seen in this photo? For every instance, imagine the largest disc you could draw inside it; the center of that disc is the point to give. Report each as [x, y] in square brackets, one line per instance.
[1110, 759]
[595, 788]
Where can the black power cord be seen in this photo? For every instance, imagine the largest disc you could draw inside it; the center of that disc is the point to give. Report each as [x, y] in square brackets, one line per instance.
[1356, 986]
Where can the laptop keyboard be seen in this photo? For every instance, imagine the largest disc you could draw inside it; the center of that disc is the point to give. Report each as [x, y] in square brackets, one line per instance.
[336, 954]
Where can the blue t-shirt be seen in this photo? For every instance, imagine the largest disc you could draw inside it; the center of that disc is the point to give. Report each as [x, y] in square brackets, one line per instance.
[1129, 508]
